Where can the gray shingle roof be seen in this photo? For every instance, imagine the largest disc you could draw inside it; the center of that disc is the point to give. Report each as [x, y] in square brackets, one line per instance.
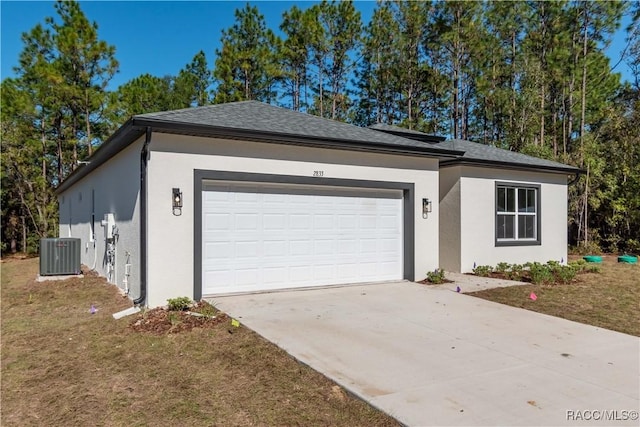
[264, 122]
[258, 117]
[392, 128]
[474, 151]
[479, 153]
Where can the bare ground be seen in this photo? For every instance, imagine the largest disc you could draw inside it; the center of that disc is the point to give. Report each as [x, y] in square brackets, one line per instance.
[62, 365]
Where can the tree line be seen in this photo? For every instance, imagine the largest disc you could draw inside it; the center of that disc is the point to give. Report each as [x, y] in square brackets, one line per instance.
[527, 76]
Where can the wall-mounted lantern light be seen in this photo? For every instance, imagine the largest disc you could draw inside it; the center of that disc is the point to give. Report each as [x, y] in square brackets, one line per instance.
[176, 201]
[426, 207]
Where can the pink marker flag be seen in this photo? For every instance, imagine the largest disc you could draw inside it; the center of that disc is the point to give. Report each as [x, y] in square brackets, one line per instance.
[533, 296]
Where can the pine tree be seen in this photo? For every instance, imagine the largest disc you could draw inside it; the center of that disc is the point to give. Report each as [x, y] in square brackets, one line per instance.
[246, 67]
[194, 80]
[336, 38]
[298, 27]
[53, 113]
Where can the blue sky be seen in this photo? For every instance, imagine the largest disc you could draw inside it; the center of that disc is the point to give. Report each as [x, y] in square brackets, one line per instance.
[160, 38]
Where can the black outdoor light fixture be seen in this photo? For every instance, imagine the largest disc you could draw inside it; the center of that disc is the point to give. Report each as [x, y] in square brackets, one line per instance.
[176, 201]
[426, 207]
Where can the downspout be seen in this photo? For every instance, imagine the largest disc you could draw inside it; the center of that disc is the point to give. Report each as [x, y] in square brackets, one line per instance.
[144, 158]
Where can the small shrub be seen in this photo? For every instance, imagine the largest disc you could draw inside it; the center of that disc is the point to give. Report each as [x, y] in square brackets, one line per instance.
[564, 273]
[590, 249]
[503, 267]
[515, 272]
[540, 273]
[579, 265]
[632, 246]
[483, 270]
[179, 303]
[436, 276]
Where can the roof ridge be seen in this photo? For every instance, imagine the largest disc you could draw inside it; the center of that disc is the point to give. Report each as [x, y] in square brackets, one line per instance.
[199, 107]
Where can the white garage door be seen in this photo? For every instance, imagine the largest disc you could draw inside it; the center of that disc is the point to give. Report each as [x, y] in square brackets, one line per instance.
[259, 237]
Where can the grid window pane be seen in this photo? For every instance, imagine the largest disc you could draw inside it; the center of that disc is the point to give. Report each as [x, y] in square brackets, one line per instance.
[522, 200]
[531, 200]
[506, 227]
[511, 199]
[526, 227]
[502, 194]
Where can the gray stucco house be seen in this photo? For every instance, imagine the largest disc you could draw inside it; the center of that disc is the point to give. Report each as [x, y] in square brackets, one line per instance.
[249, 197]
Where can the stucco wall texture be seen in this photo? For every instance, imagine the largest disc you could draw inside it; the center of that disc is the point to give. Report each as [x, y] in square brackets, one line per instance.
[467, 218]
[114, 187]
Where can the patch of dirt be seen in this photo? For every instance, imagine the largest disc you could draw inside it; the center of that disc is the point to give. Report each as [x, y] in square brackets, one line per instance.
[91, 369]
[162, 321]
[504, 276]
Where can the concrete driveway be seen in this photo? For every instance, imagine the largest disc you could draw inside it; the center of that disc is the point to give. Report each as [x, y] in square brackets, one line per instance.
[435, 357]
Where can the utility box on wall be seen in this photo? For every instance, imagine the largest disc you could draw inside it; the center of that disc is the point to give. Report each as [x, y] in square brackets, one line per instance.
[59, 256]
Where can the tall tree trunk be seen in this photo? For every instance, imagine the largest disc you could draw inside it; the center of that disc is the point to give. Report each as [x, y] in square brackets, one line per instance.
[583, 107]
[44, 152]
[586, 209]
[554, 124]
[512, 83]
[246, 85]
[456, 113]
[542, 95]
[320, 91]
[88, 123]
[296, 93]
[24, 232]
[74, 165]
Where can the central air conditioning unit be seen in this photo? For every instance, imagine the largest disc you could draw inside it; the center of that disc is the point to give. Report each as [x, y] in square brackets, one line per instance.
[59, 256]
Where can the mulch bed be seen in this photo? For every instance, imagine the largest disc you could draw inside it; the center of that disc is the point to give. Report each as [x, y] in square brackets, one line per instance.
[161, 321]
[427, 282]
[497, 275]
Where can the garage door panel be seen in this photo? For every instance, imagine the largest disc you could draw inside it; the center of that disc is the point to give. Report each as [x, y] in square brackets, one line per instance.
[247, 249]
[347, 246]
[324, 272]
[300, 247]
[300, 221]
[275, 275]
[274, 221]
[247, 276]
[324, 247]
[256, 240]
[218, 250]
[274, 248]
[323, 222]
[389, 245]
[217, 221]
